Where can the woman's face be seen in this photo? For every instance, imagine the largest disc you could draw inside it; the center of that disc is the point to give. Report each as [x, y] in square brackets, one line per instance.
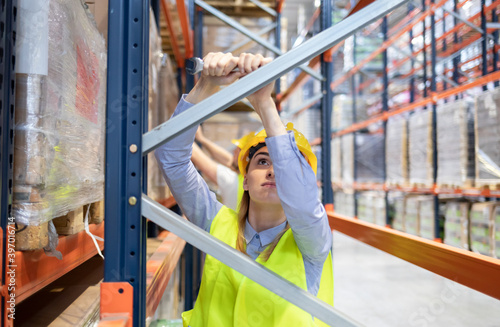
[259, 180]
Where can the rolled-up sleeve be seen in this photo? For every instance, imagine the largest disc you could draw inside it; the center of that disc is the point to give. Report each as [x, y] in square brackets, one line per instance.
[298, 192]
[189, 189]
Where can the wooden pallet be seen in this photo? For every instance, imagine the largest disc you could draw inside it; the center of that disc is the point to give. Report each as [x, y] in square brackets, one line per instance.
[32, 237]
[74, 221]
[487, 186]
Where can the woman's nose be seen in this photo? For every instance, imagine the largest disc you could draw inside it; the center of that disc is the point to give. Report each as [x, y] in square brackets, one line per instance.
[270, 172]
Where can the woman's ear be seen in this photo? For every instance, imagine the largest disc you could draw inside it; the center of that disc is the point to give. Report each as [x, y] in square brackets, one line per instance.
[245, 183]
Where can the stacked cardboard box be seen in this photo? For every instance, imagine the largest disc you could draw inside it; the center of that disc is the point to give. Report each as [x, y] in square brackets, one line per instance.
[60, 112]
[455, 145]
[369, 161]
[481, 227]
[397, 151]
[336, 160]
[487, 127]
[344, 203]
[420, 148]
[456, 226]
[348, 160]
[397, 203]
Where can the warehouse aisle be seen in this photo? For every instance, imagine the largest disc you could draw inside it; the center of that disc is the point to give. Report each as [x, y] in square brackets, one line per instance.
[378, 289]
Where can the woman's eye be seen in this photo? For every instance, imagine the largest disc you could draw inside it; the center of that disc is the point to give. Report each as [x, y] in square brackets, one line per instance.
[262, 162]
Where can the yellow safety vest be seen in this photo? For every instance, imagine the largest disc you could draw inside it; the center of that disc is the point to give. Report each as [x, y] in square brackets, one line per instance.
[228, 298]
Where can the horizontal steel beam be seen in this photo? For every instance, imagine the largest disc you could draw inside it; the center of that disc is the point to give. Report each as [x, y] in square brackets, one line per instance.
[262, 6]
[265, 75]
[242, 263]
[242, 29]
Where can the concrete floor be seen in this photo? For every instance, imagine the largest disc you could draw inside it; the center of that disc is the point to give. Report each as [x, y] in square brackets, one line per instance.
[377, 289]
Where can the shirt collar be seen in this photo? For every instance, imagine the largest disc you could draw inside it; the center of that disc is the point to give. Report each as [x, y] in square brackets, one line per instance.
[266, 236]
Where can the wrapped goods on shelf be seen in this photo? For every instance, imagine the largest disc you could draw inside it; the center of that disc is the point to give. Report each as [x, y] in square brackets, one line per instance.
[455, 145]
[496, 232]
[456, 225]
[481, 227]
[411, 221]
[347, 160]
[336, 160]
[487, 128]
[60, 111]
[397, 151]
[344, 203]
[426, 217]
[342, 112]
[371, 207]
[160, 85]
[420, 148]
[397, 210]
[369, 161]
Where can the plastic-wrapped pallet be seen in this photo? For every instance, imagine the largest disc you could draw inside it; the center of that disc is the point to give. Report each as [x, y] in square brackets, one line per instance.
[379, 208]
[348, 160]
[426, 217]
[487, 127]
[397, 203]
[496, 232]
[420, 148]
[336, 160]
[369, 163]
[481, 231]
[397, 151]
[455, 145]
[60, 111]
[344, 203]
[342, 112]
[365, 207]
[456, 225]
[158, 82]
[411, 221]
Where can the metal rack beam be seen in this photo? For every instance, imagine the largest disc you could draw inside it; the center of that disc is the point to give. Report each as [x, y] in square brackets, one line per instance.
[473, 270]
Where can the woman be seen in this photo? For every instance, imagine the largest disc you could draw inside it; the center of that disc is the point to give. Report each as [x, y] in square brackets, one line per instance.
[281, 223]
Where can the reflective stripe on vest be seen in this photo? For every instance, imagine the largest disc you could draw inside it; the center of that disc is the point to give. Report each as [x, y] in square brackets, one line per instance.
[227, 298]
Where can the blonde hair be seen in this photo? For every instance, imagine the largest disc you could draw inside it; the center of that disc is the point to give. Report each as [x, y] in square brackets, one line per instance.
[242, 218]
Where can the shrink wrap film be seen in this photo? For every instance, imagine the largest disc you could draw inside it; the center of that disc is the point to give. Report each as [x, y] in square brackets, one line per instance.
[397, 151]
[487, 128]
[60, 113]
[420, 149]
[482, 228]
[455, 145]
[456, 225]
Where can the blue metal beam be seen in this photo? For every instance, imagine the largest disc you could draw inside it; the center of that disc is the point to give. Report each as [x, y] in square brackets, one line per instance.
[326, 109]
[127, 102]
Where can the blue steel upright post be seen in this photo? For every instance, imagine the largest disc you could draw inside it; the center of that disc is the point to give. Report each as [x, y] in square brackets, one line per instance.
[437, 232]
[326, 108]
[7, 87]
[385, 108]
[127, 102]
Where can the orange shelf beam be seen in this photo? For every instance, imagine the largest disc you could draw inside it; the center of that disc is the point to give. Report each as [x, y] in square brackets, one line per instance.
[473, 270]
[173, 39]
[36, 270]
[159, 268]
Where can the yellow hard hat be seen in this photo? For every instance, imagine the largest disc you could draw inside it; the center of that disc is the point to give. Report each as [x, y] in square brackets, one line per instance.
[240, 143]
[260, 137]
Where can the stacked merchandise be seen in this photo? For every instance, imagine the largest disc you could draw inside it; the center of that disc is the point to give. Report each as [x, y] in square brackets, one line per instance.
[420, 149]
[344, 203]
[371, 207]
[336, 160]
[411, 220]
[427, 221]
[396, 151]
[496, 232]
[163, 95]
[397, 204]
[342, 112]
[347, 160]
[456, 225]
[60, 113]
[487, 127]
[455, 145]
[481, 227]
[369, 163]
[365, 207]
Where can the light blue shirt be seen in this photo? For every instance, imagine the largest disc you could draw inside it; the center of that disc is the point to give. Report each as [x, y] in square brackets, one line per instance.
[296, 187]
